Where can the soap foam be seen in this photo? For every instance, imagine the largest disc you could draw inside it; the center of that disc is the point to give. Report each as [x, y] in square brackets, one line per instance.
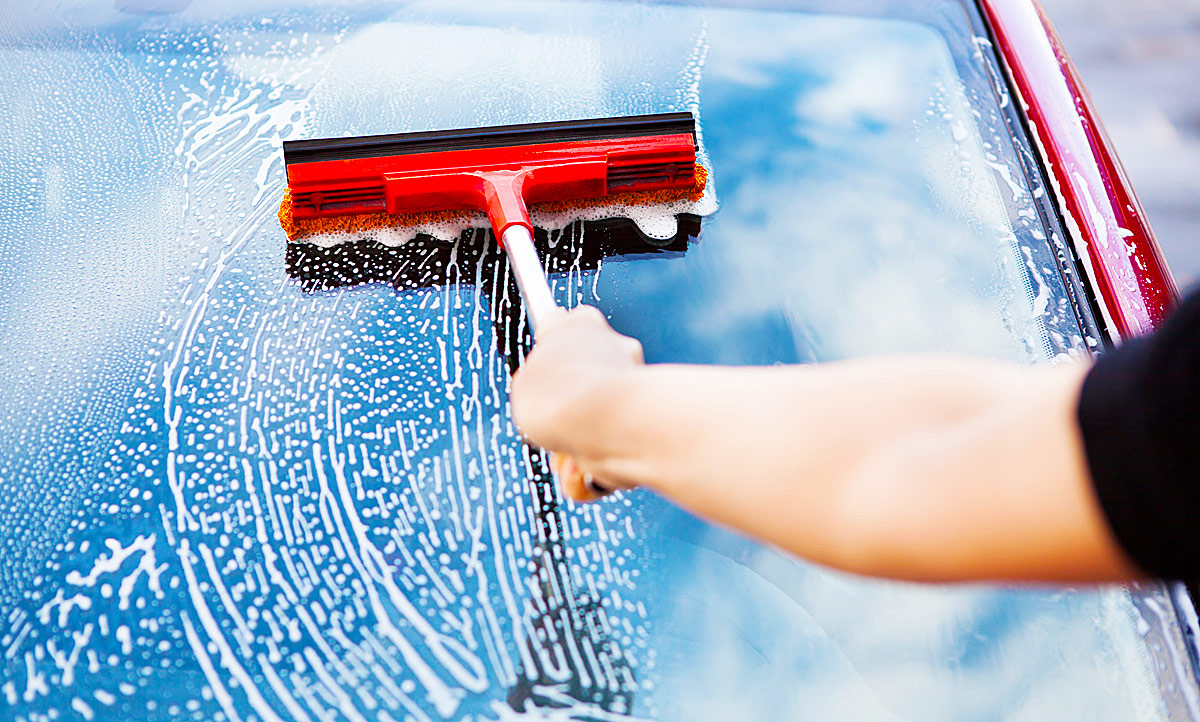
[655, 215]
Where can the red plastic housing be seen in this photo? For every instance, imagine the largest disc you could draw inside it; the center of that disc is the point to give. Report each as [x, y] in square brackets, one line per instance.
[499, 181]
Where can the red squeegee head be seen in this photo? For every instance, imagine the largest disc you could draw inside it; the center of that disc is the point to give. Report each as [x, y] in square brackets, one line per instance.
[497, 170]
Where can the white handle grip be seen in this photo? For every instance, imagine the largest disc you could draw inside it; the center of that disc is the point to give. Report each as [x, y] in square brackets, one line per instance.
[531, 279]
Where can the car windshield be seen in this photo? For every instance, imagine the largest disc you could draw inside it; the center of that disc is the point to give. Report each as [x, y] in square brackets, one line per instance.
[251, 481]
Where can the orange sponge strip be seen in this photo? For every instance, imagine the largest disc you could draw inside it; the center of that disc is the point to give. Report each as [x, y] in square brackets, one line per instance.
[297, 229]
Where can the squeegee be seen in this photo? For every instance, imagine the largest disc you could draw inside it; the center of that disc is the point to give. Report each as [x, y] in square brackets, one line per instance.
[499, 170]
[344, 185]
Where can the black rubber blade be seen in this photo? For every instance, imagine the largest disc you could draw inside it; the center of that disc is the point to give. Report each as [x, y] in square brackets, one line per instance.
[374, 146]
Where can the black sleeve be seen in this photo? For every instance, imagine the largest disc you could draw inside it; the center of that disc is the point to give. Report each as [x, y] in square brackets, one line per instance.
[1139, 412]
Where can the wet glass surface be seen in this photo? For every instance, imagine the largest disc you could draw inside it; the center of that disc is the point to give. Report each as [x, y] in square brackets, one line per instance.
[248, 482]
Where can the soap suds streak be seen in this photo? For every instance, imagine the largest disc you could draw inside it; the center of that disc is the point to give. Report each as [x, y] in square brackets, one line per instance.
[318, 514]
[332, 556]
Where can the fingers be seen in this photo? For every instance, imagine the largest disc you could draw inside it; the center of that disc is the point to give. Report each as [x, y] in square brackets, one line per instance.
[559, 317]
[575, 484]
[633, 348]
[590, 314]
[564, 390]
[552, 319]
[589, 322]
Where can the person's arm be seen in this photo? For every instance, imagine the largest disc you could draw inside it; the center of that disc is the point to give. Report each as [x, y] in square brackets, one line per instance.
[931, 468]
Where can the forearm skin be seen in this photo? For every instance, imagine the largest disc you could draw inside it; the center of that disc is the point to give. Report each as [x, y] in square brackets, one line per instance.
[933, 468]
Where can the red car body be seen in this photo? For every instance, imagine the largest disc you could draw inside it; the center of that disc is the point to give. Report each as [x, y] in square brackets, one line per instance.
[1113, 237]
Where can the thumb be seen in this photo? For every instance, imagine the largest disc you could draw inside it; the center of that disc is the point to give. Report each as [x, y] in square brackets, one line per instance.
[551, 319]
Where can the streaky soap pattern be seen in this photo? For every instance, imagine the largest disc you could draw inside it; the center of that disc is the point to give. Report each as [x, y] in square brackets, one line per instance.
[246, 481]
[335, 515]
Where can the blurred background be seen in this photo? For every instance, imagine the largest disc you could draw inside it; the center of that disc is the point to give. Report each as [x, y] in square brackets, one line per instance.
[1141, 61]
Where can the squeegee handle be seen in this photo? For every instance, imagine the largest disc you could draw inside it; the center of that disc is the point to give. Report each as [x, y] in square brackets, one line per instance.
[531, 279]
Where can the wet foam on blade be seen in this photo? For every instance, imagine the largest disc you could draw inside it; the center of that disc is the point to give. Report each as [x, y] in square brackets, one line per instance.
[653, 212]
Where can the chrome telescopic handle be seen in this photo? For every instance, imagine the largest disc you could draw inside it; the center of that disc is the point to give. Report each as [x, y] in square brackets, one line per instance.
[531, 279]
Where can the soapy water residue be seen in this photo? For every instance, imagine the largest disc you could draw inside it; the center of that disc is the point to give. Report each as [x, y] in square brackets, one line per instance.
[245, 501]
